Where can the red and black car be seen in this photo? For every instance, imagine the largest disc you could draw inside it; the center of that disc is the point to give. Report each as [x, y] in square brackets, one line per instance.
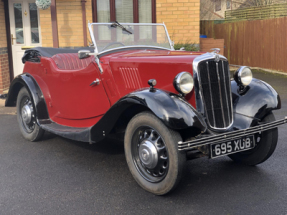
[168, 106]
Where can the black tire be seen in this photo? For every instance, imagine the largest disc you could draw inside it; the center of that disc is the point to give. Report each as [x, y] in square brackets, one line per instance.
[265, 146]
[30, 129]
[164, 177]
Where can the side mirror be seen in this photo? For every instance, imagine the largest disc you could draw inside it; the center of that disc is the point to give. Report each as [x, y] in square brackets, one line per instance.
[83, 54]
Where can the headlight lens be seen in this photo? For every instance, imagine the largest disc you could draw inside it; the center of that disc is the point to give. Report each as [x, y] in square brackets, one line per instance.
[243, 76]
[183, 82]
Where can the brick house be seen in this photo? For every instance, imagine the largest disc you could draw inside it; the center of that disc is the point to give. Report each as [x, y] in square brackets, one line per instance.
[215, 9]
[64, 24]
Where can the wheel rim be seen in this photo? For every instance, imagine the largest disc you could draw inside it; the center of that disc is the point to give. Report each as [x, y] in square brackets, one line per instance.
[27, 114]
[150, 155]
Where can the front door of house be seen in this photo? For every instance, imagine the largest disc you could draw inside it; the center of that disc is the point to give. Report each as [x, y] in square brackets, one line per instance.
[25, 30]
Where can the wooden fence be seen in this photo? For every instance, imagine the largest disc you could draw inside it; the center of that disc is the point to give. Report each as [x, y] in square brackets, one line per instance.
[258, 43]
[252, 13]
[206, 44]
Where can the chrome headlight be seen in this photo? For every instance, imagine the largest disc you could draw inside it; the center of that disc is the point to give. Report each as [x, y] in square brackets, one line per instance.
[183, 82]
[243, 76]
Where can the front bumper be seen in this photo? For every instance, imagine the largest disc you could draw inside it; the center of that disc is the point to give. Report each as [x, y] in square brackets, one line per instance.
[220, 138]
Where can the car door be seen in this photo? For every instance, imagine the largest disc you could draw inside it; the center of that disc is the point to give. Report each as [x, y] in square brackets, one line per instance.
[77, 94]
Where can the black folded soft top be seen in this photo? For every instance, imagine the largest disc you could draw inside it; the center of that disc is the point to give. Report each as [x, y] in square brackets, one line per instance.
[49, 52]
[34, 53]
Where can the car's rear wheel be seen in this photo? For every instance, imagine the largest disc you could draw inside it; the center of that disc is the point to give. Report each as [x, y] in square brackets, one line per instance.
[26, 117]
[266, 143]
[152, 154]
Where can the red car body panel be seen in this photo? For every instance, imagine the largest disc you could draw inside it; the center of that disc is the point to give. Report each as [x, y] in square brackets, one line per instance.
[70, 99]
[66, 91]
[133, 70]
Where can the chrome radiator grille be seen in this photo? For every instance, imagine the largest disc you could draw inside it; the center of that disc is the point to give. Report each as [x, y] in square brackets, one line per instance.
[214, 79]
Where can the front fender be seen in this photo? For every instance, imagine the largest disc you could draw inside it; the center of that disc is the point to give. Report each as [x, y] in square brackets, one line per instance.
[254, 104]
[26, 80]
[172, 110]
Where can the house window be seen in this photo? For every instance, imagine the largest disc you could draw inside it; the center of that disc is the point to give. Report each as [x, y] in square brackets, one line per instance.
[137, 11]
[217, 5]
[145, 16]
[227, 4]
[124, 11]
[103, 15]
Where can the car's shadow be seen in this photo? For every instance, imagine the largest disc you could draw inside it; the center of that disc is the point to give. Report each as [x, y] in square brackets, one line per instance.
[222, 185]
[107, 146]
[203, 177]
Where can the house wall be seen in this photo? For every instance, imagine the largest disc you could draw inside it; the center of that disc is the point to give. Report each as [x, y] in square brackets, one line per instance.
[70, 25]
[46, 27]
[181, 18]
[207, 9]
[223, 8]
[4, 64]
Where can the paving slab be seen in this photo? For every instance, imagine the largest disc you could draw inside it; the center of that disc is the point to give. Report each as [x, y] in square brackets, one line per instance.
[6, 110]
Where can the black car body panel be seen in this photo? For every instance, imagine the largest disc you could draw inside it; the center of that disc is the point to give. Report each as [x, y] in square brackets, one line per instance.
[253, 104]
[170, 108]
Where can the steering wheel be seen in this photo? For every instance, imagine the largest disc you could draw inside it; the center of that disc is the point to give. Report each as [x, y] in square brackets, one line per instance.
[112, 43]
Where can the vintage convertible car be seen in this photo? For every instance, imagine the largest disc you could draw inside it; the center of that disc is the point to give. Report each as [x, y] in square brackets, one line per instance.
[168, 106]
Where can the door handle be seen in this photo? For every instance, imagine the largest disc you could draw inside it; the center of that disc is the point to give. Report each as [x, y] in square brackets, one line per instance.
[12, 38]
[96, 82]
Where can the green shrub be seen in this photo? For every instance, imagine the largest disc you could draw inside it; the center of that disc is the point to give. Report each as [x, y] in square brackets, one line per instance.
[187, 46]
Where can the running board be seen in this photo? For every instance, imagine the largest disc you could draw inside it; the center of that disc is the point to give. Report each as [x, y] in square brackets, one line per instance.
[189, 145]
[78, 134]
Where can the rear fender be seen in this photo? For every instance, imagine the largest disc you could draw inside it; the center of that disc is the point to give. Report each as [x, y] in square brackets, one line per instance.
[172, 110]
[26, 80]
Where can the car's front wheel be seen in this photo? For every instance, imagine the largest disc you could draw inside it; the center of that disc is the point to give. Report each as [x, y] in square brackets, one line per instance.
[266, 143]
[26, 117]
[152, 154]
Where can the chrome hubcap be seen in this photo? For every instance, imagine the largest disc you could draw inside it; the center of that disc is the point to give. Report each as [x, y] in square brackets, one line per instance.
[148, 154]
[26, 114]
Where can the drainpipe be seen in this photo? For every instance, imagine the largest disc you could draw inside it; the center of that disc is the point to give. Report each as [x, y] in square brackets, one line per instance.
[84, 22]
[54, 24]
[8, 37]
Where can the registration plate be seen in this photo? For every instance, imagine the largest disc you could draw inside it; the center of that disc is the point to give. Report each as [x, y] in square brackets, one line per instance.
[232, 146]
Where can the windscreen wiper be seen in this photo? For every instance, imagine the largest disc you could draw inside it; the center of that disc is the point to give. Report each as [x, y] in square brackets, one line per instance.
[116, 24]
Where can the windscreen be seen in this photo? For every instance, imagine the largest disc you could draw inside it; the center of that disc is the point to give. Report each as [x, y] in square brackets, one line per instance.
[107, 36]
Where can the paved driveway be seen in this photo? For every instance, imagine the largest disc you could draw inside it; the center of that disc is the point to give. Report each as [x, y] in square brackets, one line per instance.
[59, 176]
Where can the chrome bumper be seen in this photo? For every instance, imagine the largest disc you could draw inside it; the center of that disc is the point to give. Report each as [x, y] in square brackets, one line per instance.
[220, 138]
